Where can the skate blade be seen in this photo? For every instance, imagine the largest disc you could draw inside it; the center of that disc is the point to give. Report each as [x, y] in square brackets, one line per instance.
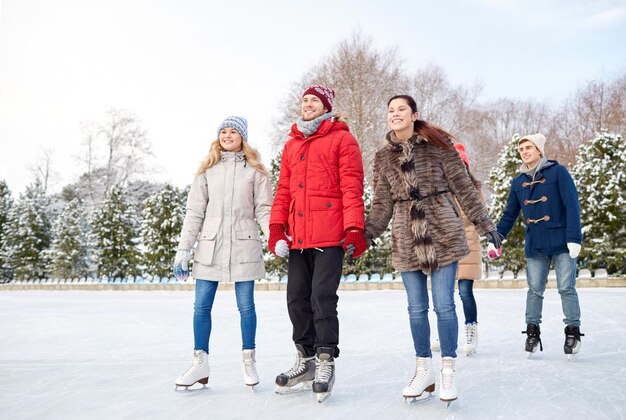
[419, 399]
[322, 396]
[188, 388]
[448, 402]
[570, 357]
[296, 389]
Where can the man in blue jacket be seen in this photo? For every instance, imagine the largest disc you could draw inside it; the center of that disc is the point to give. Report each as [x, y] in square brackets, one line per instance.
[547, 197]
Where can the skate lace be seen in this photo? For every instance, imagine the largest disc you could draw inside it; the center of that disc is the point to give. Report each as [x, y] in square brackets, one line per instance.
[249, 367]
[470, 333]
[421, 371]
[298, 367]
[323, 370]
[195, 364]
[447, 375]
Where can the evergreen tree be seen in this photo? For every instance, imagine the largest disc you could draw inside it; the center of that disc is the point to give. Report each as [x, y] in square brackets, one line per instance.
[114, 232]
[68, 253]
[28, 234]
[500, 177]
[6, 201]
[600, 178]
[274, 266]
[376, 259]
[162, 222]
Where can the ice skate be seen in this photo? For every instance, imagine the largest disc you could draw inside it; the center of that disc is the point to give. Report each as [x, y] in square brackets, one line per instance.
[471, 338]
[533, 339]
[198, 372]
[572, 341]
[300, 377]
[250, 376]
[434, 344]
[447, 381]
[423, 381]
[324, 373]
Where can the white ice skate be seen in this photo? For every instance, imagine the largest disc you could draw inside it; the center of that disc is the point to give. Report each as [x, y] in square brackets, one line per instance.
[324, 373]
[300, 377]
[435, 345]
[447, 381]
[250, 375]
[423, 381]
[471, 339]
[198, 372]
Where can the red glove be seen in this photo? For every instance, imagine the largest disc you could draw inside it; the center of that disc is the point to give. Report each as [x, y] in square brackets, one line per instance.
[277, 232]
[355, 238]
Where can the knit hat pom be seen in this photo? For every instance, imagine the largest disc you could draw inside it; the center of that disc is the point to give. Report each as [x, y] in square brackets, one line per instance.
[326, 95]
[238, 123]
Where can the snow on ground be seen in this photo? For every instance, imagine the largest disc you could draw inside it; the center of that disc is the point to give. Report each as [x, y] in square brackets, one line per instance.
[115, 354]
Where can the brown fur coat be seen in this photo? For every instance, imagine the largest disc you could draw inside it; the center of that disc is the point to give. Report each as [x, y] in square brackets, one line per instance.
[415, 184]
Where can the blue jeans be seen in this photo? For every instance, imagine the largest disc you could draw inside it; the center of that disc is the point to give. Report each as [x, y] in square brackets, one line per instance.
[442, 285]
[205, 295]
[469, 302]
[537, 269]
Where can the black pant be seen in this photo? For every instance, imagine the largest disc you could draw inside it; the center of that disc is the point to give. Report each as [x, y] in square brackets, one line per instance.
[313, 280]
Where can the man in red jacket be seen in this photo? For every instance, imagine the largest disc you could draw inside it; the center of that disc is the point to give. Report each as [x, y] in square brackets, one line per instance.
[317, 215]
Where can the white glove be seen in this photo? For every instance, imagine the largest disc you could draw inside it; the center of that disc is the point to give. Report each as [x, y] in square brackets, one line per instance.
[493, 252]
[574, 249]
[282, 248]
[181, 264]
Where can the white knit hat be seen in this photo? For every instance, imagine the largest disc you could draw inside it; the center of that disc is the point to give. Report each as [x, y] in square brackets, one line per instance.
[539, 140]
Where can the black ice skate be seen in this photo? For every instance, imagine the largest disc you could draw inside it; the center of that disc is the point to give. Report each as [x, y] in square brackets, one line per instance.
[300, 377]
[324, 373]
[534, 338]
[572, 341]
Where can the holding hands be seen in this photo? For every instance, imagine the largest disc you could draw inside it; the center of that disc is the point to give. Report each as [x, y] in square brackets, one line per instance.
[494, 248]
[278, 241]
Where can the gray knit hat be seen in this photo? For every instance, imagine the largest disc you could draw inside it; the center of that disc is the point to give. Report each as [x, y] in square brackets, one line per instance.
[238, 123]
[539, 140]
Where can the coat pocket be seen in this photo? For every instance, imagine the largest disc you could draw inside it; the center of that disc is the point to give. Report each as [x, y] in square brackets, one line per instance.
[206, 241]
[248, 245]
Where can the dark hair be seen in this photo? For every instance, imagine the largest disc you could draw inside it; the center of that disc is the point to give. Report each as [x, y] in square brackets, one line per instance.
[437, 135]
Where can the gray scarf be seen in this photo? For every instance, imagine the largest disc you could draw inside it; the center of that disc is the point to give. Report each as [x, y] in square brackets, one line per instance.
[531, 172]
[310, 127]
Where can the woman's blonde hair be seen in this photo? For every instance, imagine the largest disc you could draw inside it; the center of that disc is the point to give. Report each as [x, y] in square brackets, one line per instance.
[252, 157]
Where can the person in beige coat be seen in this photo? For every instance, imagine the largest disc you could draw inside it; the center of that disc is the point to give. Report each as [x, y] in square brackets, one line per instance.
[470, 269]
[230, 194]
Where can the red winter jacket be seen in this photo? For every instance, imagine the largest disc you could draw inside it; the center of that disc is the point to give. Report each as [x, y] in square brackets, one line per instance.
[320, 189]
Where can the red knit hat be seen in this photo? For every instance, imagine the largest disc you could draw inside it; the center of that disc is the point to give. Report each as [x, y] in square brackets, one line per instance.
[461, 149]
[326, 95]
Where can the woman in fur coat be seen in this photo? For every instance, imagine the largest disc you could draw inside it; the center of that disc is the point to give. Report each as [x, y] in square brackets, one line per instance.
[230, 194]
[418, 174]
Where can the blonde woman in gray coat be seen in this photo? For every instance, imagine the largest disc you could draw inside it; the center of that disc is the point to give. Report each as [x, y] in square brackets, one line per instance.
[230, 194]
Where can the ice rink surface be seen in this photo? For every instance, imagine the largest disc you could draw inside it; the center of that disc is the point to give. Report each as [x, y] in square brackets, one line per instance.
[115, 355]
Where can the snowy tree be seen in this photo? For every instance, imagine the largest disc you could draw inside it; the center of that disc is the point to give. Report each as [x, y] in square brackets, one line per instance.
[162, 221]
[274, 266]
[376, 259]
[363, 79]
[28, 234]
[500, 178]
[6, 201]
[600, 177]
[114, 233]
[68, 253]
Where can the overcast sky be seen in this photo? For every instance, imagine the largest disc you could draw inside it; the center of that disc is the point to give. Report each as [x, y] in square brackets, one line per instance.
[182, 66]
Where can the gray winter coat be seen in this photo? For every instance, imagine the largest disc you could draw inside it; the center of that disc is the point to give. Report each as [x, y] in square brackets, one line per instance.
[222, 207]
